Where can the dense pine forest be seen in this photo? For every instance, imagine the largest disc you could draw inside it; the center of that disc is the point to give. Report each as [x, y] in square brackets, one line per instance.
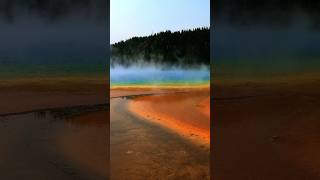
[272, 12]
[181, 48]
[52, 9]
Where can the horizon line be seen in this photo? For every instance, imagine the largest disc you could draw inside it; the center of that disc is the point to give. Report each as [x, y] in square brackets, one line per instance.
[186, 29]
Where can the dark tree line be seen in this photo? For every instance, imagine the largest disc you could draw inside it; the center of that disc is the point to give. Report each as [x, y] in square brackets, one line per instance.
[186, 47]
[270, 12]
[52, 9]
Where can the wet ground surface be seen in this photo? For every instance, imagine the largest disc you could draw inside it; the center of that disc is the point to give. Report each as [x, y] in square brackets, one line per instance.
[31, 148]
[266, 131]
[141, 150]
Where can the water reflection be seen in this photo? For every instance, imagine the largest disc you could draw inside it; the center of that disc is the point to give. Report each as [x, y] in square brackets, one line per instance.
[40, 145]
[40, 115]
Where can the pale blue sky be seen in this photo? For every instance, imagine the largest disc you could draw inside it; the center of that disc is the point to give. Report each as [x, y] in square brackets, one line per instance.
[130, 18]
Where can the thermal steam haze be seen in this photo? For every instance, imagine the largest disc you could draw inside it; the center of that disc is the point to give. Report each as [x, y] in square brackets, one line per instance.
[154, 75]
[275, 41]
[129, 18]
[53, 38]
[136, 18]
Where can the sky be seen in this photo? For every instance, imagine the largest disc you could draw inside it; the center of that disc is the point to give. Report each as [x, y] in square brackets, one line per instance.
[129, 18]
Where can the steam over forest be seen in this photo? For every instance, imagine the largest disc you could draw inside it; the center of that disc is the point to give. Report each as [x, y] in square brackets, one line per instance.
[183, 48]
